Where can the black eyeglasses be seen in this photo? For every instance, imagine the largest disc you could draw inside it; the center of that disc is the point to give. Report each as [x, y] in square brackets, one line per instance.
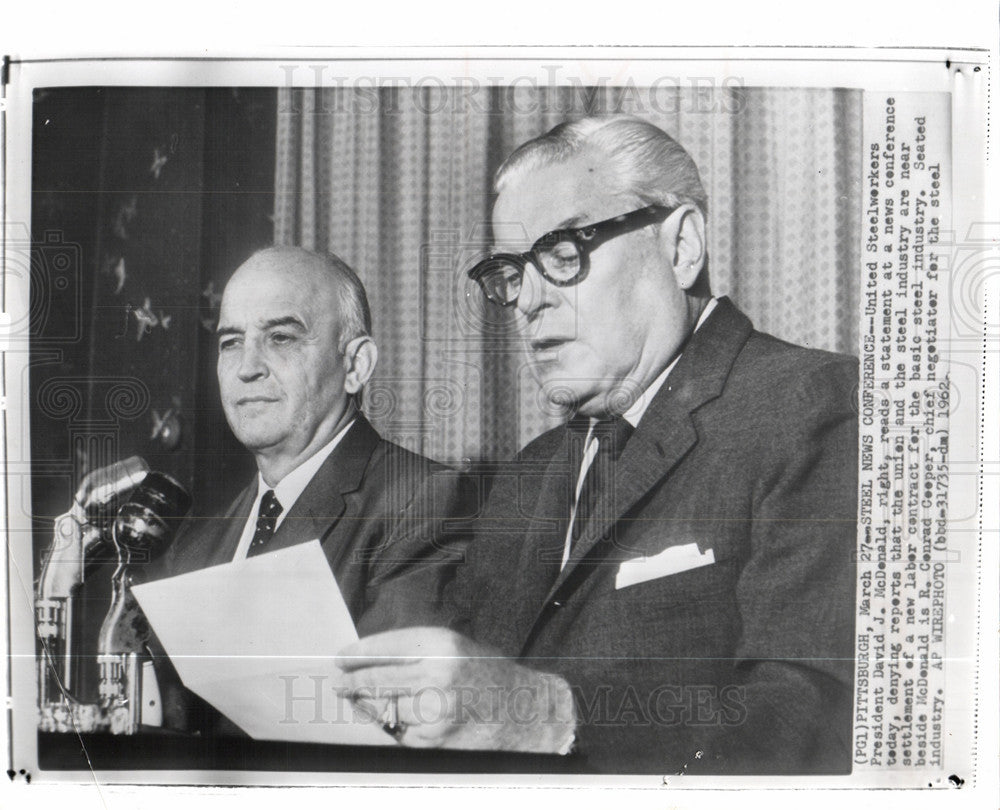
[560, 256]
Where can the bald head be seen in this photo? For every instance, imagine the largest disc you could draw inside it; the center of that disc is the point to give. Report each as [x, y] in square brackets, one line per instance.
[294, 353]
[327, 274]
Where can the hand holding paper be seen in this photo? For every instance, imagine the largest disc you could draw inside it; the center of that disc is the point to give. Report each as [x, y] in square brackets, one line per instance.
[256, 639]
[454, 693]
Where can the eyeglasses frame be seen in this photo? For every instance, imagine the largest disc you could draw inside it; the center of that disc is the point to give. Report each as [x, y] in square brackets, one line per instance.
[586, 239]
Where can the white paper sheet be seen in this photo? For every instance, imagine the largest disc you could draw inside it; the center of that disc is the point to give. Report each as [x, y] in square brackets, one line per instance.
[256, 637]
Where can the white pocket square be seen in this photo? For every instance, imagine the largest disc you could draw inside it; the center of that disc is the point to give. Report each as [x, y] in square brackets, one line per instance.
[672, 560]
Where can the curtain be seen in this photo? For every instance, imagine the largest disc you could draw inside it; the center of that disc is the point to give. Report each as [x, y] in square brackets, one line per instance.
[397, 182]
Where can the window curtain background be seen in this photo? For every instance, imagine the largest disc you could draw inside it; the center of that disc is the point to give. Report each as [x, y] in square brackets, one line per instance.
[397, 182]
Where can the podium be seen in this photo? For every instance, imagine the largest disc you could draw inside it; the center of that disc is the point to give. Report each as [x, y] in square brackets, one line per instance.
[154, 749]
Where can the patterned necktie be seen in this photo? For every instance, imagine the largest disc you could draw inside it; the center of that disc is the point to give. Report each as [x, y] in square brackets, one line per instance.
[267, 518]
[597, 493]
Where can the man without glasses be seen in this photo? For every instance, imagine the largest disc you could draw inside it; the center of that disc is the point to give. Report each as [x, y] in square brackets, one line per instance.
[295, 352]
[666, 583]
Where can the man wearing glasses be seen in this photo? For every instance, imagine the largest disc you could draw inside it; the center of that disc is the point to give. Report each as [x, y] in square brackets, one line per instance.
[666, 583]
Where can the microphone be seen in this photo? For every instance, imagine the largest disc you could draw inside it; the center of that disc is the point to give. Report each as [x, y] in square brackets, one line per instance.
[143, 529]
[147, 522]
[100, 488]
[79, 534]
[80, 540]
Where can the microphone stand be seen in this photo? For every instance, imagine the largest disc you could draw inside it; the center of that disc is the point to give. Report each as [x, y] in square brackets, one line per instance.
[141, 532]
[77, 542]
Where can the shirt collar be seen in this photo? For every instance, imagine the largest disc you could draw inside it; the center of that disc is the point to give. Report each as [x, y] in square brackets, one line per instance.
[634, 414]
[289, 488]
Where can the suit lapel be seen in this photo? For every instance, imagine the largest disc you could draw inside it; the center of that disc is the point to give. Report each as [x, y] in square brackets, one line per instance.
[215, 542]
[647, 458]
[534, 566]
[322, 503]
[666, 432]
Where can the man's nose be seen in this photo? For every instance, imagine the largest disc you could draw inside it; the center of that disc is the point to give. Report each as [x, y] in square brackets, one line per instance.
[536, 293]
[252, 365]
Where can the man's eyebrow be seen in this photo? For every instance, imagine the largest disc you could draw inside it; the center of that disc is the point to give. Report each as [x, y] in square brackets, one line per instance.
[285, 320]
[270, 323]
[570, 222]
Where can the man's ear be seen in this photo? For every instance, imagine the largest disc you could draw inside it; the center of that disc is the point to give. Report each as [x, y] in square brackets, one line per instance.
[689, 246]
[360, 358]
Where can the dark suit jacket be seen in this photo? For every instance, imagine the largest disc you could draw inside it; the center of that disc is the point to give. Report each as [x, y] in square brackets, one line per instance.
[741, 666]
[379, 512]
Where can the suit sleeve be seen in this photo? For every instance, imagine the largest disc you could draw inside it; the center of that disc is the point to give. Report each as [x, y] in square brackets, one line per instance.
[791, 709]
[417, 559]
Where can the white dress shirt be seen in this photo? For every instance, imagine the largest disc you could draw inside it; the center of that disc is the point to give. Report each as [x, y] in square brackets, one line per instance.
[287, 490]
[633, 415]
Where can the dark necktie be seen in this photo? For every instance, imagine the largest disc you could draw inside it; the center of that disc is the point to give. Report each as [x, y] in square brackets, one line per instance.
[267, 518]
[597, 493]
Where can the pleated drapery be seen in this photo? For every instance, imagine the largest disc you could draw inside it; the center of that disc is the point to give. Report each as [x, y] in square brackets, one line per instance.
[398, 184]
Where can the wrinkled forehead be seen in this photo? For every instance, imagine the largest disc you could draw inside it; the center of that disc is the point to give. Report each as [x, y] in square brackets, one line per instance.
[259, 291]
[573, 192]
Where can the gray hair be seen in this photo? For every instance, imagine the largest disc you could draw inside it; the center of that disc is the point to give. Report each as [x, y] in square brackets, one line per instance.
[355, 312]
[647, 161]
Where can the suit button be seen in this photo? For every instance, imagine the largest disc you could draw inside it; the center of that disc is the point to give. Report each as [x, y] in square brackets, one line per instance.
[556, 603]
